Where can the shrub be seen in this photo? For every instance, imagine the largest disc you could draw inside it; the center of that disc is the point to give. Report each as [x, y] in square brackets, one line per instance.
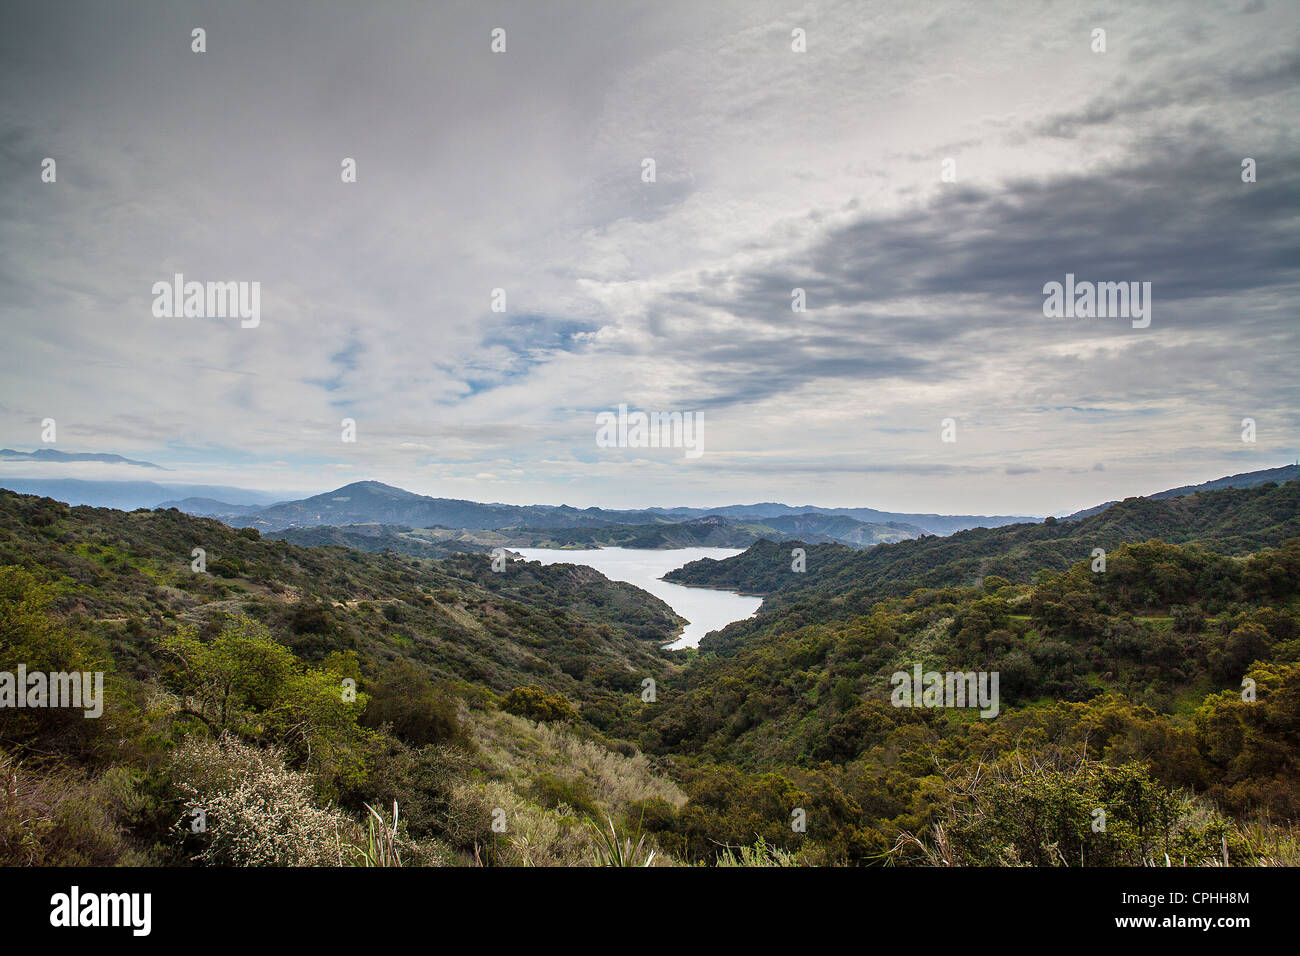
[1054, 812]
[540, 705]
[256, 811]
[553, 792]
[405, 699]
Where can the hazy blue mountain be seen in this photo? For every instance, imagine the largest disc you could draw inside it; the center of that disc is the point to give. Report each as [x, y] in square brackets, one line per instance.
[51, 455]
[372, 502]
[129, 495]
[714, 531]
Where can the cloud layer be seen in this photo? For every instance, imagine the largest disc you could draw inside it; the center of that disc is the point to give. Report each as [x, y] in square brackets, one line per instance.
[775, 170]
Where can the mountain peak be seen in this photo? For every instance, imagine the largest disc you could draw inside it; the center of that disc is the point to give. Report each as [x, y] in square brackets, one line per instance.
[373, 487]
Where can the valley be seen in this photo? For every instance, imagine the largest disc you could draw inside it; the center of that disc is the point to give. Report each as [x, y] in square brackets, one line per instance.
[525, 689]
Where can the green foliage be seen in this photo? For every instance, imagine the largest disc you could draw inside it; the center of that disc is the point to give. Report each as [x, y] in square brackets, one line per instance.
[232, 691]
[62, 817]
[757, 854]
[814, 692]
[31, 637]
[405, 700]
[1058, 813]
[537, 704]
[554, 792]
[1253, 746]
[245, 682]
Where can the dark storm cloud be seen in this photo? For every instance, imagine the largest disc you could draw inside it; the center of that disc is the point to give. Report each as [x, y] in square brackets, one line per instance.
[1183, 221]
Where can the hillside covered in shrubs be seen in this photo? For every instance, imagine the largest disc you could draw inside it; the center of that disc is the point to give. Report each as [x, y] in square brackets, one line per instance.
[267, 703]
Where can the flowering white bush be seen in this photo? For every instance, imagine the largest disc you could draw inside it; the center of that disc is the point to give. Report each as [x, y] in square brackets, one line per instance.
[256, 811]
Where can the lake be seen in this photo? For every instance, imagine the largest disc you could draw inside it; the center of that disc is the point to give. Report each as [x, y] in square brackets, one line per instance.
[706, 609]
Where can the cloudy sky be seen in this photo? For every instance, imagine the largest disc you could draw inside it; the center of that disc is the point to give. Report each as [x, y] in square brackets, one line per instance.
[774, 170]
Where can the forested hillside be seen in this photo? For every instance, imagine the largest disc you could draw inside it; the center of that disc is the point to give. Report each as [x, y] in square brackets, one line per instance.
[378, 538]
[286, 691]
[1128, 680]
[127, 578]
[1231, 521]
[1131, 676]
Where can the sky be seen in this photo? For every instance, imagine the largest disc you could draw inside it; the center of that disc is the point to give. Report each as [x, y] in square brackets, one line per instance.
[775, 169]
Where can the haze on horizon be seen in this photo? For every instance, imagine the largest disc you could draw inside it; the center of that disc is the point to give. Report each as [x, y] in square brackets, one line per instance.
[775, 170]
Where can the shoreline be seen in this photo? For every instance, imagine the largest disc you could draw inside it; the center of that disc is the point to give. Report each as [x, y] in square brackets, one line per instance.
[704, 587]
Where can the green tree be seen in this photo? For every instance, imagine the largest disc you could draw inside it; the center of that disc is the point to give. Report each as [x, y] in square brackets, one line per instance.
[32, 637]
[245, 682]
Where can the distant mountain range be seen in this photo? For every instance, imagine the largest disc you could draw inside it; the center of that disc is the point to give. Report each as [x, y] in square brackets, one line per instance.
[364, 502]
[129, 495]
[210, 507]
[372, 516]
[371, 502]
[51, 455]
[819, 526]
[375, 503]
